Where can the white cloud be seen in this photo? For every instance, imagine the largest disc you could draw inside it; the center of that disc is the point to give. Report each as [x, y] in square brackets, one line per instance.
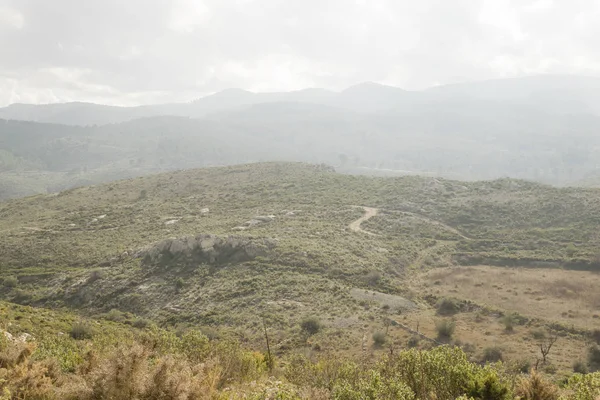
[187, 15]
[121, 52]
[10, 18]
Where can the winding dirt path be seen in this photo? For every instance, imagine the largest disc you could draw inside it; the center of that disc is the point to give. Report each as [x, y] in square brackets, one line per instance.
[370, 212]
[438, 223]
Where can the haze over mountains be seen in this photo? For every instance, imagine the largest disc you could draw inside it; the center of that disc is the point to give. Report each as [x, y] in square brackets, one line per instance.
[542, 128]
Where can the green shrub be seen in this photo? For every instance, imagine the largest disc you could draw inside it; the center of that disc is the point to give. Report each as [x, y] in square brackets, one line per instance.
[379, 339]
[579, 367]
[372, 386]
[492, 354]
[538, 334]
[445, 372]
[595, 336]
[445, 329]
[115, 315]
[583, 387]
[10, 281]
[509, 322]
[81, 330]
[179, 283]
[141, 323]
[413, 341]
[373, 278]
[594, 357]
[447, 306]
[523, 366]
[311, 325]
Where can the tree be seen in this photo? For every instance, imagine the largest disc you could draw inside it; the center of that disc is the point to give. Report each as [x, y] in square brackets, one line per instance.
[546, 345]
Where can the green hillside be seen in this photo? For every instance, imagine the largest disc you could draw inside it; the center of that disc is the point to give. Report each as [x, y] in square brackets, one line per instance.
[219, 249]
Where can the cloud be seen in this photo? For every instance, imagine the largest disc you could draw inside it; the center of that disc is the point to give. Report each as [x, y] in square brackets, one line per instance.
[147, 51]
[10, 18]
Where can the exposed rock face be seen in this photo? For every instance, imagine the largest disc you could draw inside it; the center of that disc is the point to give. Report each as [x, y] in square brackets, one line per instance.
[206, 249]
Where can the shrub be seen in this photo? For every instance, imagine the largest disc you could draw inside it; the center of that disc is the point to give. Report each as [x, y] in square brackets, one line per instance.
[95, 275]
[141, 323]
[22, 296]
[81, 330]
[445, 329]
[595, 336]
[311, 325]
[379, 339]
[535, 387]
[509, 322]
[179, 283]
[583, 387]
[523, 366]
[447, 306]
[594, 357]
[373, 278]
[413, 341]
[579, 367]
[492, 354]
[538, 334]
[445, 373]
[550, 369]
[115, 315]
[372, 386]
[10, 281]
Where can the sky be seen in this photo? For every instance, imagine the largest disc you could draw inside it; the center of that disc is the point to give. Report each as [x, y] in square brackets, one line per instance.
[129, 52]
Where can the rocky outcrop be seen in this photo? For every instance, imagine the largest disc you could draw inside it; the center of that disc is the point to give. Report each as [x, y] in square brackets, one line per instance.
[206, 249]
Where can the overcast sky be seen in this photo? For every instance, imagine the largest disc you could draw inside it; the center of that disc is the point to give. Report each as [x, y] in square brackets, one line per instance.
[148, 51]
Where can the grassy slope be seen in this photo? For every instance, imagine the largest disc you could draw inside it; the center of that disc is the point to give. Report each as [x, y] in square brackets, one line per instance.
[54, 243]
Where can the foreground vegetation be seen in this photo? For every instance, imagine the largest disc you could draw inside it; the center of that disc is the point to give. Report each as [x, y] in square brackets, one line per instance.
[228, 252]
[120, 362]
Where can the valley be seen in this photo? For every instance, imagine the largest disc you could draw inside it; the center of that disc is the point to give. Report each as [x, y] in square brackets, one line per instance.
[227, 250]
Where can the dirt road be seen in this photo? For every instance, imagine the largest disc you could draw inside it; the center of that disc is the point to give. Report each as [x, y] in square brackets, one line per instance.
[370, 212]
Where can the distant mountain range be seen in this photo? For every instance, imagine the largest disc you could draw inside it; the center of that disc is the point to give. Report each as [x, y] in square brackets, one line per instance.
[554, 93]
[544, 128]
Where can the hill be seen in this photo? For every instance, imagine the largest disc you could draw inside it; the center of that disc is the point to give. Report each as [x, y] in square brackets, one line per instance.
[536, 128]
[218, 249]
[457, 138]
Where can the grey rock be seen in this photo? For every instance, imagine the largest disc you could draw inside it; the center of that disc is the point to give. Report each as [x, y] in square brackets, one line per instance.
[205, 249]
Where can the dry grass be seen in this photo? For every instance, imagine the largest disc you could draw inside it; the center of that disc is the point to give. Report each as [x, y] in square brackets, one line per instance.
[543, 296]
[564, 296]
[475, 332]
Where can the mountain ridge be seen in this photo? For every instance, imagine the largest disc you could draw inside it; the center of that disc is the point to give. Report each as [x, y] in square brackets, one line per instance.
[235, 97]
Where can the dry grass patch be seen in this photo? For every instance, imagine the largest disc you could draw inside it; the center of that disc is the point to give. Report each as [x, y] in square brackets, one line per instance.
[564, 296]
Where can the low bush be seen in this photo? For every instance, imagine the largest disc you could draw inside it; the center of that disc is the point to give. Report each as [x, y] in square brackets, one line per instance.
[379, 339]
[447, 306]
[579, 367]
[311, 325]
[509, 322]
[492, 354]
[10, 281]
[413, 341]
[445, 329]
[538, 334]
[535, 387]
[594, 357]
[81, 331]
